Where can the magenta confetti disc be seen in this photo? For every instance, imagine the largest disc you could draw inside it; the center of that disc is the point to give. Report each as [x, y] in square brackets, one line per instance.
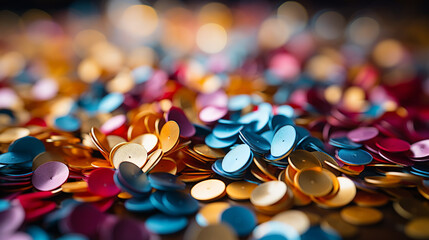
[19, 236]
[362, 134]
[84, 219]
[393, 145]
[50, 176]
[44, 208]
[216, 99]
[176, 114]
[396, 158]
[101, 183]
[211, 114]
[11, 219]
[420, 149]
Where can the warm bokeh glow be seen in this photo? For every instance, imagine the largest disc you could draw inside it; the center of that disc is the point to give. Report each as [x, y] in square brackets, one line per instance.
[211, 38]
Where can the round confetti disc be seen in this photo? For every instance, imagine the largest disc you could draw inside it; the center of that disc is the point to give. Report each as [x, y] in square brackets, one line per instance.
[240, 190]
[362, 134]
[314, 182]
[346, 193]
[207, 190]
[393, 145]
[129, 152]
[301, 159]
[134, 177]
[169, 136]
[29, 145]
[361, 215]
[239, 218]
[164, 224]
[418, 228]
[180, 203]
[101, 183]
[176, 114]
[165, 181]
[334, 223]
[149, 141]
[268, 193]
[152, 160]
[295, 219]
[354, 156]
[50, 176]
[283, 141]
[420, 149]
[237, 158]
[15, 158]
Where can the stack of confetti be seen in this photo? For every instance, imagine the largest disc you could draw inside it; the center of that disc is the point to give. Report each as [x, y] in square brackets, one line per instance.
[168, 121]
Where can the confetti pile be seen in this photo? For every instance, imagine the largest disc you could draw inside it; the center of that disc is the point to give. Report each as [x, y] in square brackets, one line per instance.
[173, 122]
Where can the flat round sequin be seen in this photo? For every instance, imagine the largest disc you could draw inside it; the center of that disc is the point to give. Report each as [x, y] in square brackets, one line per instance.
[314, 182]
[361, 215]
[393, 145]
[241, 219]
[165, 181]
[283, 141]
[294, 218]
[240, 190]
[100, 182]
[354, 156]
[362, 134]
[268, 193]
[207, 190]
[164, 224]
[169, 135]
[237, 158]
[50, 175]
[129, 152]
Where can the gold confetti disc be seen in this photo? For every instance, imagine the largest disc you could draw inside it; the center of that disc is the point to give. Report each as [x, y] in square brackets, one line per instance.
[301, 159]
[418, 228]
[370, 199]
[212, 211]
[335, 224]
[75, 187]
[152, 160]
[240, 190]
[169, 136]
[149, 141]
[361, 215]
[314, 182]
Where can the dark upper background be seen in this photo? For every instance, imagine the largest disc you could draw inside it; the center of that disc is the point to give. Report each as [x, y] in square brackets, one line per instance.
[402, 8]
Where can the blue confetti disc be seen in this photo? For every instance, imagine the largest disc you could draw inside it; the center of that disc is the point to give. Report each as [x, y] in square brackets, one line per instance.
[217, 168]
[261, 119]
[255, 141]
[4, 205]
[164, 224]
[37, 233]
[124, 187]
[110, 102]
[354, 156]
[215, 142]
[133, 177]
[279, 121]
[275, 228]
[180, 203]
[268, 135]
[166, 181]
[241, 219]
[283, 141]
[236, 159]
[15, 157]
[156, 200]
[238, 102]
[29, 145]
[139, 205]
[67, 123]
[223, 131]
